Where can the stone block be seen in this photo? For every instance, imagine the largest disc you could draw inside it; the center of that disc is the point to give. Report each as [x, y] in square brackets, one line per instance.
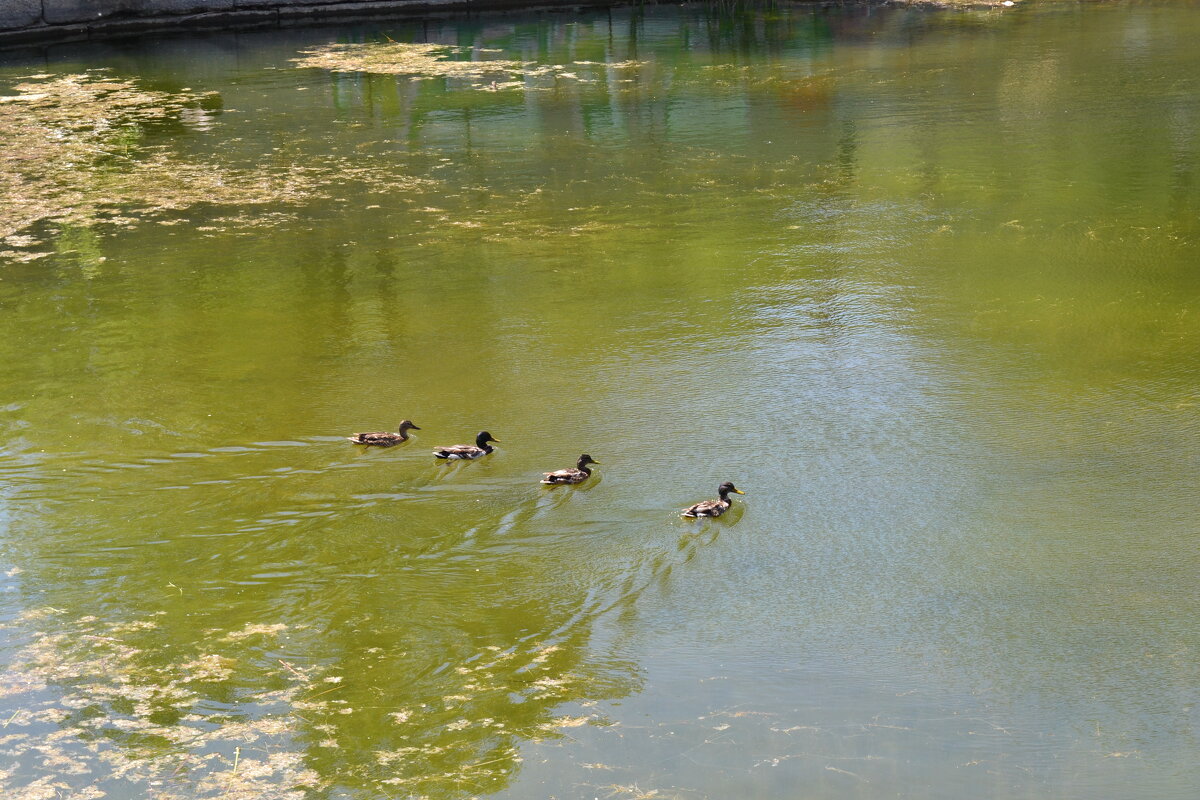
[216, 20]
[58, 12]
[324, 8]
[155, 7]
[20, 13]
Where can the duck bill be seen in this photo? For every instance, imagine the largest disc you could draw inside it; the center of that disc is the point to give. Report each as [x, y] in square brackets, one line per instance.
[738, 491]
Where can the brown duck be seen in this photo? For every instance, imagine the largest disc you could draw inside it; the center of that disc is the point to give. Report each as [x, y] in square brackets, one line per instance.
[713, 508]
[577, 474]
[385, 438]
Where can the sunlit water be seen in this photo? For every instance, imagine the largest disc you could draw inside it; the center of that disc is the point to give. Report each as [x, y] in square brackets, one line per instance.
[923, 284]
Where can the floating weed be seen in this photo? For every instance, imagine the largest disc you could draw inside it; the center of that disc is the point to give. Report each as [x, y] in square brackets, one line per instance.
[255, 630]
[632, 792]
[570, 722]
[208, 668]
[400, 58]
[224, 717]
[78, 151]
[86, 152]
[279, 776]
[467, 67]
[97, 706]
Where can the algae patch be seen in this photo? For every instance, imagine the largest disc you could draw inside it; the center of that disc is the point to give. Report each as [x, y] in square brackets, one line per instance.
[81, 149]
[110, 709]
[468, 67]
[98, 711]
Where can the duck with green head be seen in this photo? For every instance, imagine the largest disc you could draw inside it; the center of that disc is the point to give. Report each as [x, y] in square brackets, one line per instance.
[463, 452]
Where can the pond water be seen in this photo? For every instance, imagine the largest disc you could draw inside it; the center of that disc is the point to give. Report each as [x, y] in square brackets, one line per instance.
[922, 283]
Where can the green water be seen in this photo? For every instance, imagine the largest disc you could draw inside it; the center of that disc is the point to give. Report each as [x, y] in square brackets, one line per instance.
[923, 284]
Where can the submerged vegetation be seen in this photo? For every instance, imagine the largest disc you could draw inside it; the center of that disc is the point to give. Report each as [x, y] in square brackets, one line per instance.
[80, 149]
[102, 710]
[76, 152]
[89, 682]
[87, 150]
[424, 61]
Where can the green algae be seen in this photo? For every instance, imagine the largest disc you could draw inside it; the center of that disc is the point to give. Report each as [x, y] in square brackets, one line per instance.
[98, 704]
[471, 68]
[79, 152]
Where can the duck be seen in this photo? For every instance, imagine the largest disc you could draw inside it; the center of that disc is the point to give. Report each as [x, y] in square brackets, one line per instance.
[468, 451]
[385, 438]
[713, 508]
[577, 474]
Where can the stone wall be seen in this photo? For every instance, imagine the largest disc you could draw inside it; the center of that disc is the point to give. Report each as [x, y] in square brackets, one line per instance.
[75, 19]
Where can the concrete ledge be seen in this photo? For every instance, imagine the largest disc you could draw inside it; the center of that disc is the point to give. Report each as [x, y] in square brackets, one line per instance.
[60, 12]
[20, 13]
[361, 8]
[71, 20]
[213, 19]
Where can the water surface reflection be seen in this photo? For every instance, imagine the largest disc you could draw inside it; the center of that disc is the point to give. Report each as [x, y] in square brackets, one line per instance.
[920, 282]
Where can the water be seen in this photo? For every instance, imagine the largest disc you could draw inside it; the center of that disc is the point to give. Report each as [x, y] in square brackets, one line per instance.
[921, 283]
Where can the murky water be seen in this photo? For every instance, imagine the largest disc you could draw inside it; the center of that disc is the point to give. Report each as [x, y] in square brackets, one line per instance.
[923, 284]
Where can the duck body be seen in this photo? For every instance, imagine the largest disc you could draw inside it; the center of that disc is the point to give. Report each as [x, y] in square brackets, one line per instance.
[577, 474]
[713, 508]
[467, 452]
[385, 438]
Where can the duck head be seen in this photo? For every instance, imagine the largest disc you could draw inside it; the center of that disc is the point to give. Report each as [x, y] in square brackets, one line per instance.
[584, 460]
[725, 488]
[407, 425]
[483, 438]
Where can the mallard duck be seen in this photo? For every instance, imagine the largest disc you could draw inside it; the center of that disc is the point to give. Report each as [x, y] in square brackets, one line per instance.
[468, 451]
[578, 474]
[385, 438]
[714, 508]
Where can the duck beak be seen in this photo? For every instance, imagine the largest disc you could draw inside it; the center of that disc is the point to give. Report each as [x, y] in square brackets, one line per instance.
[738, 491]
[414, 428]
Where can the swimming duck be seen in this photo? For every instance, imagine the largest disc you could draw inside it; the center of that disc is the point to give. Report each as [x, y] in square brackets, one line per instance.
[578, 474]
[385, 438]
[468, 451]
[714, 508]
